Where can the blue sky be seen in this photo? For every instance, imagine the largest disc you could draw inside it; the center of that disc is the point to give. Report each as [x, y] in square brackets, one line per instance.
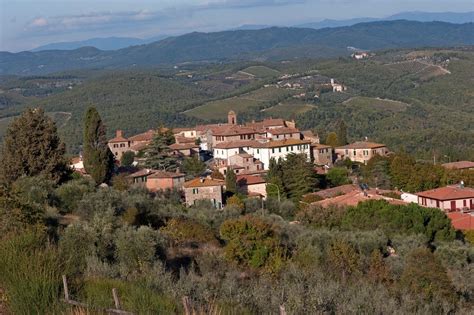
[25, 24]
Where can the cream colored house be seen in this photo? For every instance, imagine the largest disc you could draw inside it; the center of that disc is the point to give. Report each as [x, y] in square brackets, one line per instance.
[361, 151]
[204, 189]
[119, 144]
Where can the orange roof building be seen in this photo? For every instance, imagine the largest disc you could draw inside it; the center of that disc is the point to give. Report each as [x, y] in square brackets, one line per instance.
[449, 198]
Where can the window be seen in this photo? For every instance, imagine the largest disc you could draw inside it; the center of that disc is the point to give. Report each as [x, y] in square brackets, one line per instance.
[258, 151]
[273, 150]
[347, 152]
[292, 148]
[355, 153]
[195, 191]
[279, 150]
[115, 145]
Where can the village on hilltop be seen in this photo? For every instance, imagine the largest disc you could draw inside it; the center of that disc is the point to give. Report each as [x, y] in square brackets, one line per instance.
[247, 150]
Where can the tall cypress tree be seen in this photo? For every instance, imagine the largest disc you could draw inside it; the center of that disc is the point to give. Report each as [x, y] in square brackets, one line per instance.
[32, 147]
[158, 154]
[231, 181]
[98, 159]
[342, 132]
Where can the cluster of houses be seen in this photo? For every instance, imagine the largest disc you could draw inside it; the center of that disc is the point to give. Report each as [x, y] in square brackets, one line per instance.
[247, 149]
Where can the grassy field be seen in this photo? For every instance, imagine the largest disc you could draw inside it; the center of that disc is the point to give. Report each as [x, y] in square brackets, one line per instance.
[376, 103]
[219, 109]
[261, 71]
[288, 109]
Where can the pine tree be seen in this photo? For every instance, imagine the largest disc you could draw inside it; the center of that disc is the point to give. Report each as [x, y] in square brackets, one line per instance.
[332, 139]
[193, 166]
[32, 147]
[158, 153]
[299, 177]
[98, 159]
[342, 133]
[231, 181]
[274, 178]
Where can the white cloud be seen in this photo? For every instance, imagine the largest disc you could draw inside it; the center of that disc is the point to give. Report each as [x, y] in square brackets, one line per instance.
[39, 22]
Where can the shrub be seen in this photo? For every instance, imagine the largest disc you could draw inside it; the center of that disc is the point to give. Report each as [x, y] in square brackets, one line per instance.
[127, 158]
[236, 202]
[330, 217]
[71, 193]
[252, 242]
[183, 232]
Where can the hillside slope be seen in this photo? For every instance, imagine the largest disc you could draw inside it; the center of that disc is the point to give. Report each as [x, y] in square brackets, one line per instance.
[271, 43]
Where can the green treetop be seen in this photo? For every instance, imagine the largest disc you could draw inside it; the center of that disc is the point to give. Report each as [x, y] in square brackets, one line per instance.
[158, 153]
[98, 159]
[32, 147]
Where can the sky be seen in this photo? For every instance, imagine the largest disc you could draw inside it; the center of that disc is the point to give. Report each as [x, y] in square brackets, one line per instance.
[26, 24]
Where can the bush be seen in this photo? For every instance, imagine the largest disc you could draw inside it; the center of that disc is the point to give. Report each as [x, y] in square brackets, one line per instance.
[71, 193]
[127, 158]
[252, 242]
[184, 232]
[338, 176]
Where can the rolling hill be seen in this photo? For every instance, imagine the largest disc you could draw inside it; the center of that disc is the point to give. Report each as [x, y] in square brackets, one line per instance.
[266, 44]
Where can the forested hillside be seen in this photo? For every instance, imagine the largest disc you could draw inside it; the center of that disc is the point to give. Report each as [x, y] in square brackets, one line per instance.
[264, 44]
[421, 101]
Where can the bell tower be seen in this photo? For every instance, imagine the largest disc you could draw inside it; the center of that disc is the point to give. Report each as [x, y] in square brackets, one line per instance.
[232, 118]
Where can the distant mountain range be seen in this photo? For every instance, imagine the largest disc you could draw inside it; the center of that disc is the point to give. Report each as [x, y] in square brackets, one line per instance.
[276, 43]
[449, 17]
[106, 43]
[114, 43]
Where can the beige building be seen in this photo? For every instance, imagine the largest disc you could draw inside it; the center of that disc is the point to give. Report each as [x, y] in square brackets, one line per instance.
[322, 154]
[361, 151]
[119, 144]
[252, 185]
[204, 189]
[155, 180]
[449, 198]
[184, 149]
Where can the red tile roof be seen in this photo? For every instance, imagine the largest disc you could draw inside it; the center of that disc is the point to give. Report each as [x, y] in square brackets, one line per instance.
[362, 145]
[280, 143]
[448, 193]
[353, 198]
[118, 137]
[269, 122]
[145, 136]
[243, 180]
[461, 221]
[142, 172]
[203, 182]
[459, 165]
[283, 130]
[184, 146]
[320, 146]
[232, 130]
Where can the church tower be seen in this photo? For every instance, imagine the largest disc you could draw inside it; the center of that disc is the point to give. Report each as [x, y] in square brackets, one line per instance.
[232, 118]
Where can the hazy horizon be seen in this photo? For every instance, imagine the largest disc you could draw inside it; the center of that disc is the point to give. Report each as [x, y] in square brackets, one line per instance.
[28, 24]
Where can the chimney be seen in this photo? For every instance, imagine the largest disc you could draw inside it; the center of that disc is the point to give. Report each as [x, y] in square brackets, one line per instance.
[119, 133]
[332, 81]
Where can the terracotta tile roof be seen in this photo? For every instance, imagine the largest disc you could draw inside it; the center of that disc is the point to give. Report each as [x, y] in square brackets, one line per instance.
[184, 146]
[162, 174]
[145, 136]
[448, 193]
[353, 198]
[210, 126]
[178, 130]
[243, 180]
[139, 146]
[362, 145]
[203, 182]
[283, 130]
[461, 221]
[245, 155]
[235, 144]
[180, 139]
[459, 165]
[320, 146]
[118, 137]
[335, 191]
[232, 130]
[280, 143]
[141, 173]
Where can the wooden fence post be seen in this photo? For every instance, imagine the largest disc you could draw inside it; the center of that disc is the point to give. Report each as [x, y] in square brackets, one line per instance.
[186, 305]
[116, 298]
[66, 290]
